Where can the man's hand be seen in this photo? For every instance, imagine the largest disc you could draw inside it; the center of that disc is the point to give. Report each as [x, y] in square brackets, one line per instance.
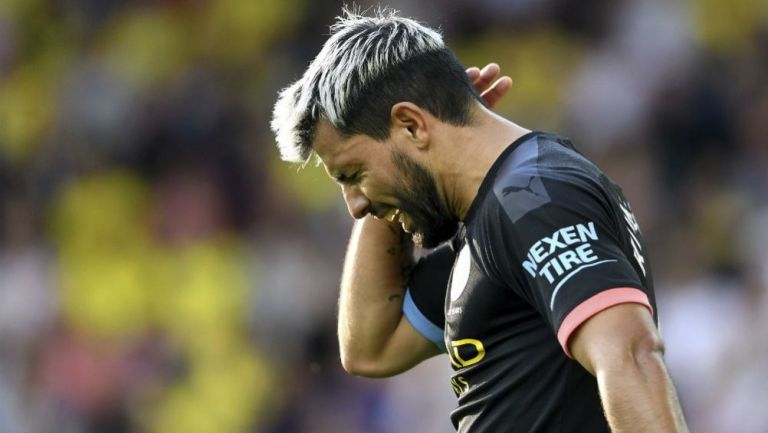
[488, 84]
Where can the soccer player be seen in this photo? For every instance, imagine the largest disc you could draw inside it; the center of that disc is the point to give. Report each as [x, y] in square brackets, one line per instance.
[539, 289]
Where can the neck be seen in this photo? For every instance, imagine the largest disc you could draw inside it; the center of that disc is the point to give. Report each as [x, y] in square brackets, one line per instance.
[470, 153]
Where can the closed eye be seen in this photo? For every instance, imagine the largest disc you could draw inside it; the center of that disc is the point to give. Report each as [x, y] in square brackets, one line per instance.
[347, 179]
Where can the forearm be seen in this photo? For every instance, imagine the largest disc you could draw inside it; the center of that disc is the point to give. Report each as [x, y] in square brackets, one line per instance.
[372, 286]
[638, 396]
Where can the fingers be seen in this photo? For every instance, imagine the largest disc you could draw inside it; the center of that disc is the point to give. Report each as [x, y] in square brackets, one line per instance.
[473, 73]
[497, 91]
[489, 73]
[481, 79]
[487, 83]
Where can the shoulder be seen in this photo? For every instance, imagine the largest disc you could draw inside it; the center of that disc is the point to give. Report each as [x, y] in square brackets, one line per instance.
[545, 170]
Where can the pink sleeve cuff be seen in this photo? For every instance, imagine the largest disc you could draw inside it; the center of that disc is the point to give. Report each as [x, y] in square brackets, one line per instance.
[596, 304]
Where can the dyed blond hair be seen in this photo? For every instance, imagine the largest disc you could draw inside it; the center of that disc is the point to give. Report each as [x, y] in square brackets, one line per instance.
[365, 66]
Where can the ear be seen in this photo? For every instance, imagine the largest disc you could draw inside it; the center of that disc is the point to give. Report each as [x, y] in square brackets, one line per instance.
[410, 122]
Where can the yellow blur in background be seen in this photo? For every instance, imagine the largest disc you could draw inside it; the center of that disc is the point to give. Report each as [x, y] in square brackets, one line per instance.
[161, 270]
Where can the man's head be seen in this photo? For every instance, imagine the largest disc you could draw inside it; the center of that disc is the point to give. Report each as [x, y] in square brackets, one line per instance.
[364, 106]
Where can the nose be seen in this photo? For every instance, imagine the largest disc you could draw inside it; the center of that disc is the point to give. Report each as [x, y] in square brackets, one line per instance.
[357, 203]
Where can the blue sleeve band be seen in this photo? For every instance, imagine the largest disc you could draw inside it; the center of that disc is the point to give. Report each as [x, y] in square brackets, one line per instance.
[420, 322]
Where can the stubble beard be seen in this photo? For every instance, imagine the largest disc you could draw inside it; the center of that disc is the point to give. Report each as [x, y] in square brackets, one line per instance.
[416, 189]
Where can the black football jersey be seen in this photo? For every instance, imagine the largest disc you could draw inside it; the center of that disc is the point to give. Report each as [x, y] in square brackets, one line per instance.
[548, 242]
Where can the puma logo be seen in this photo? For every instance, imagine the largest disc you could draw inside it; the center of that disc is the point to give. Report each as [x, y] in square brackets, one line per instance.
[510, 189]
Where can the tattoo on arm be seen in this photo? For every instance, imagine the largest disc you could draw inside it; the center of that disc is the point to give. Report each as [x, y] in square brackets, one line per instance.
[403, 248]
[401, 243]
[394, 298]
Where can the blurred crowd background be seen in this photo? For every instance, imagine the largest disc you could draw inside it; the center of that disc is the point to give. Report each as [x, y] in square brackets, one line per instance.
[161, 270]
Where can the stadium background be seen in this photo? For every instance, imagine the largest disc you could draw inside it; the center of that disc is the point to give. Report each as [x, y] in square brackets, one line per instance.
[161, 271]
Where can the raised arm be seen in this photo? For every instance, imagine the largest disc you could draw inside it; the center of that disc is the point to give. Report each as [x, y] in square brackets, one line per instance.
[375, 339]
[621, 347]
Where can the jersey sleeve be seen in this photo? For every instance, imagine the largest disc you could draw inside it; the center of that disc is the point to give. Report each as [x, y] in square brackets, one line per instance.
[425, 295]
[565, 247]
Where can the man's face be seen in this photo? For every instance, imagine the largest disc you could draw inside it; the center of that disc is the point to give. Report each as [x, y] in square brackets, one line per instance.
[380, 178]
